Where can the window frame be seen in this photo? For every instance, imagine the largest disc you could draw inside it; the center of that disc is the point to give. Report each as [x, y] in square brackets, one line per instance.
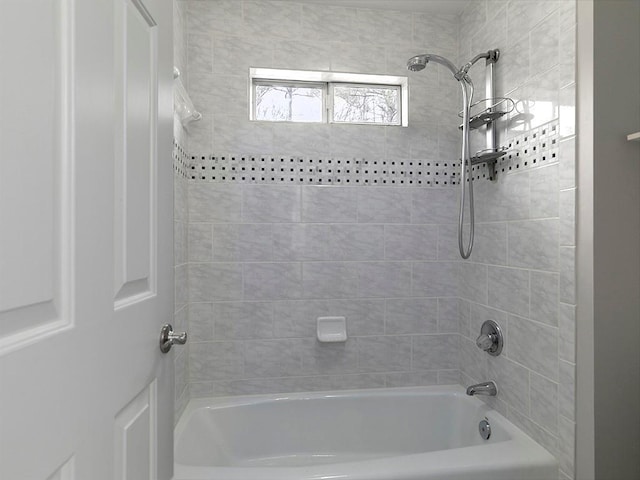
[270, 76]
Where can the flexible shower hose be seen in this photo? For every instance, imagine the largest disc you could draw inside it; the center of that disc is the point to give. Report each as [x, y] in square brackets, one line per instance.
[467, 98]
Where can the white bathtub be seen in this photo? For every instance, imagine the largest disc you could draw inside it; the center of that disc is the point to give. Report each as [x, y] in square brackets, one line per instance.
[388, 434]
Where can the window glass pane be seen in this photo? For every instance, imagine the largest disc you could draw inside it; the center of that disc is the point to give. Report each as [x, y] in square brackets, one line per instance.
[366, 104]
[288, 103]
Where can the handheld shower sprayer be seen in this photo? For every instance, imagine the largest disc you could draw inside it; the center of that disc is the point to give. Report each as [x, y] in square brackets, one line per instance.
[419, 62]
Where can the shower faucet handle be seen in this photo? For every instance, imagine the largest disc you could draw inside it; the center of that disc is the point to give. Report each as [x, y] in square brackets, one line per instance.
[490, 339]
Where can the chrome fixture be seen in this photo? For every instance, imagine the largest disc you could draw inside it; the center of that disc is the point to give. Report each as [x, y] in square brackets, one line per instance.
[487, 388]
[418, 63]
[169, 338]
[491, 339]
[485, 429]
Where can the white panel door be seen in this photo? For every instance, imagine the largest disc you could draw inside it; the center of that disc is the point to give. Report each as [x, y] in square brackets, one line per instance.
[86, 242]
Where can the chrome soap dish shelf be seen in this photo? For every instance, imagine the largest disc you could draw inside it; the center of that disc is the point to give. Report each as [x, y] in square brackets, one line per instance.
[488, 155]
[487, 114]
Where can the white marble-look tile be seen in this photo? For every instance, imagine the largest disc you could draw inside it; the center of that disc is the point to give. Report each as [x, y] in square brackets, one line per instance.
[449, 377]
[544, 297]
[181, 288]
[423, 140]
[435, 279]
[544, 402]
[301, 242]
[384, 353]
[384, 279]
[534, 244]
[567, 275]
[567, 332]
[490, 243]
[179, 243]
[505, 199]
[213, 94]
[329, 358]
[448, 249]
[474, 363]
[411, 316]
[566, 390]
[435, 351]
[200, 322]
[214, 203]
[513, 382]
[567, 54]
[270, 203]
[201, 141]
[566, 445]
[567, 234]
[201, 389]
[215, 361]
[302, 139]
[544, 185]
[448, 315]
[545, 43]
[377, 29]
[361, 58]
[296, 54]
[509, 289]
[473, 282]
[517, 57]
[321, 203]
[326, 23]
[200, 53]
[242, 320]
[237, 133]
[242, 243]
[272, 281]
[329, 280]
[200, 240]
[413, 379]
[272, 18]
[534, 345]
[273, 358]
[410, 242]
[357, 242]
[221, 16]
[434, 205]
[539, 434]
[384, 205]
[236, 53]
[209, 282]
[464, 310]
[567, 154]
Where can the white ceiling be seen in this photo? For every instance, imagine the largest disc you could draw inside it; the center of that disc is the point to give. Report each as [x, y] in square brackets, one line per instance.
[428, 6]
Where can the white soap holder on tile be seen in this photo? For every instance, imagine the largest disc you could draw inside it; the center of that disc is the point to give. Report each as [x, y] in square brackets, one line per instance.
[332, 329]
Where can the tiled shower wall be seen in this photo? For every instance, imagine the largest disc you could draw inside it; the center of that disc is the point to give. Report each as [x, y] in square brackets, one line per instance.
[266, 257]
[521, 273]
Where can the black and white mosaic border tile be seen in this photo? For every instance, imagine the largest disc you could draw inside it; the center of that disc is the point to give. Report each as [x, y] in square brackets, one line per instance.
[527, 150]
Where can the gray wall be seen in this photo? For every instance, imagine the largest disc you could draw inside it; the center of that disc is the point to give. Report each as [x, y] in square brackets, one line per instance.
[615, 222]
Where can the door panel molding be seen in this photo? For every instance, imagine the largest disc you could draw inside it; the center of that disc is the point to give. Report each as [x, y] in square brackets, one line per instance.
[37, 210]
[136, 154]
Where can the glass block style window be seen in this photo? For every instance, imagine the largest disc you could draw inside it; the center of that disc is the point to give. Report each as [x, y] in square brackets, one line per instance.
[328, 97]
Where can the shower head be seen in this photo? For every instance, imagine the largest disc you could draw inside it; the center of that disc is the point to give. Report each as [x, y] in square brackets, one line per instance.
[417, 63]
